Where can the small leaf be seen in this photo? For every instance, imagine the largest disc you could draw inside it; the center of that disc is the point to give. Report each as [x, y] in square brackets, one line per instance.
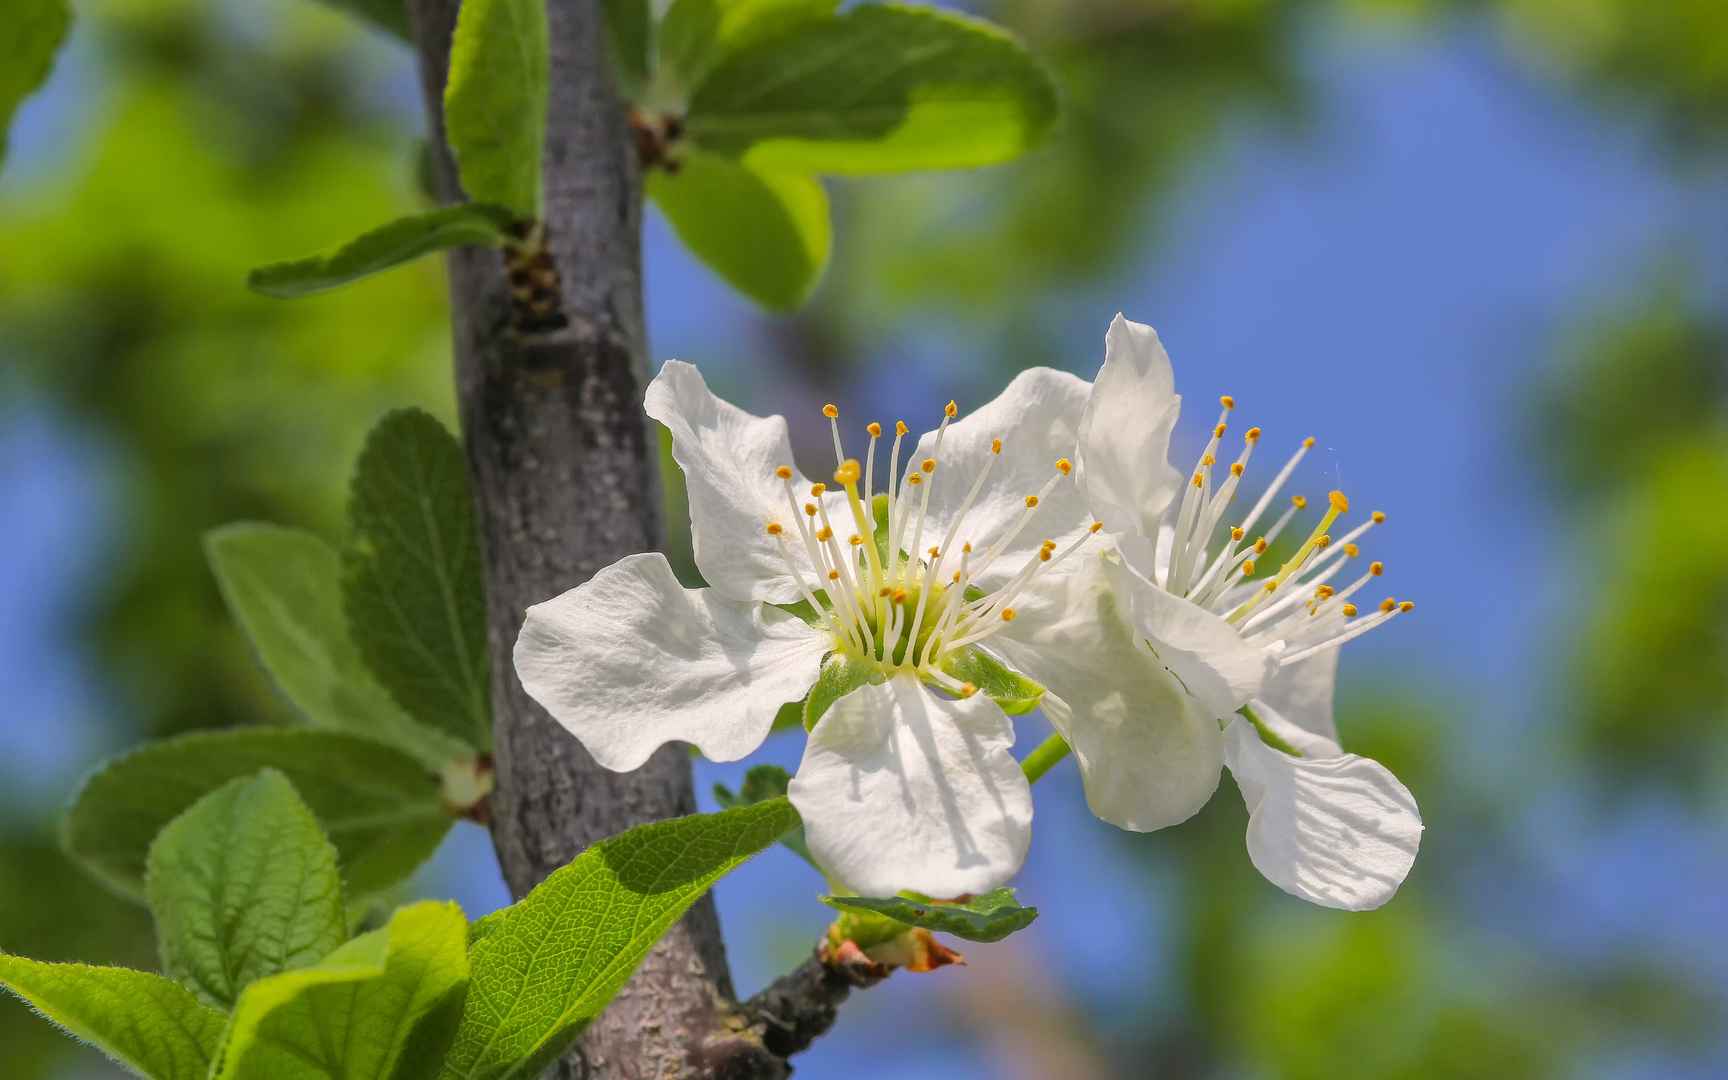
[990, 917]
[411, 575]
[881, 88]
[152, 1026]
[768, 234]
[545, 966]
[1014, 692]
[840, 675]
[30, 35]
[382, 1006]
[385, 247]
[495, 101]
[284, 587]
[380, 807]
[629, 36]
[697, 34]
[243, 885]
[761, 783]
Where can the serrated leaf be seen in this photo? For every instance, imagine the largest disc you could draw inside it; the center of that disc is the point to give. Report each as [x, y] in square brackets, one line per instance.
[30, 34]
[990, 917]
[382, 1006]
[411, 580]
[697, 34]
[243, 885]
[881, 88]
[380, 807]
[768, 234]
[152, 1026]
[284, 588]
[1014, 692]
[761, 783]
[840, 675]
[495, 101]
[629, 39]
[545, 966]
[388, 246]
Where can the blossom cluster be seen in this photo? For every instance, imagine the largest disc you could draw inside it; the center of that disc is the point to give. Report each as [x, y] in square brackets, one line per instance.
[1041, 551]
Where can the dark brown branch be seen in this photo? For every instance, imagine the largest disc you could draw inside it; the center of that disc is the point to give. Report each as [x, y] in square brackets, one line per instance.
[800, 1006]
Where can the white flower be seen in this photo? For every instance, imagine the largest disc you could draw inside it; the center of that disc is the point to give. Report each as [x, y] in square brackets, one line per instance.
[1243, 656]
[907, 781]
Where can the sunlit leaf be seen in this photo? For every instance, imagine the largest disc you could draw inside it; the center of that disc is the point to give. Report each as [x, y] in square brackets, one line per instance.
[495, 101]
[990, 917]
[387, 246]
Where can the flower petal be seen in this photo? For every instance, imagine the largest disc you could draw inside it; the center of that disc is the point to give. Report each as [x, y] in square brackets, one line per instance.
[1125, 467]
[1149, 752]
[902, 789]
[1340, 831]
[1301, 695]
[1036, 416]
[729, 457]
[1202, 648]
[632, 660]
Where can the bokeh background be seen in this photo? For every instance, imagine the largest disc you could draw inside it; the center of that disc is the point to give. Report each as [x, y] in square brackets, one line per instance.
[1479, 249]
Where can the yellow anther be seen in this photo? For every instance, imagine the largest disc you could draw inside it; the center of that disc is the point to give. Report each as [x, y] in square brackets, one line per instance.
[1236, 468]
[774, 528]
[1227, 401]
[1095, 526]
[1388, 604]
[915, 479]
[1308, 443]
[1008, 614]
[818, 489]
[899, 596]
[967, 689]
[833, 575]
[950, 410]
[928, 464]
[900, 427]
[809, 509]
[855, 540]
[1340, 502]
[1322, 541]
[784, 472]
[956, 578]
[1064, 466]
[1199, 480]
[884, 591]
[1260, 546]
[1351, 551]
[1272, 584]
[935, 553]
[1208, 461]
[1349, 611]
[1248, 568]
[831, 410]
[966, 547]
[1323, 591]
[1031, 501]
[1253, 435]
[824, 534]
[995, 446]
[1376, 568]
[1378, 517]
[847, 474]
[1048, 545]
[1407, 606]
[874, 429]
[1300, 502]
[1043, 554]
[1237, 532]
[1218, 432]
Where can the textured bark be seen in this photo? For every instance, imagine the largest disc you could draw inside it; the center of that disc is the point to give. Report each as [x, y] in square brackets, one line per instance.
[565, 479]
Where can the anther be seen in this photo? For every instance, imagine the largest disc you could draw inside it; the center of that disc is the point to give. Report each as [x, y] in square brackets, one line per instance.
[936, 552]
[915, 479]
[899, 596]
[967, 690]
[1378, 516]
[874, 429]
[1208, 461]
[1199, 480]
[1349, 611]
[1064, 466]
[833, 575]
[1308, 443]
[966, 548]
[1008, 614]
[1322, 541]
[1351, 550]
[1388, 604]
[1271, 584]
[1300, 502]
[774, 528]
[1248, 568]
[816, 490]
[1043, 554]
[1227, 401]
[1031, 501]
[1237, 533]
[1339, 502]
[1407, 605]
[928, 464]
[1236, 468]
[847, 474]
[1260, 546]
[855, 540]
[831, 410]
[1323, 591]
[1252, 435]
[809, 509]
[1095, 526]
[950, 409]
[784, 472]
[995, 446]
[900, 427]
[1376, 568]
[1218, 432]
[824, 534]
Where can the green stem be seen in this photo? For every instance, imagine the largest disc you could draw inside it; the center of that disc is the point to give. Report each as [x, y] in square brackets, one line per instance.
[1047, 754]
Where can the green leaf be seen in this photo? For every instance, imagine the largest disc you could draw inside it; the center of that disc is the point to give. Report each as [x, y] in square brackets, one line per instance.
[990, 917]
[545, 966]
[284, 587]
[382, 1006]
[840, 675]
[1006, 687]
[381, 808]
[391, 15]
[243, 885]
[697, 34]
[30, 35]
[495, 101]
[629, 36]
[767, 234]
[882, 88]
[387, 246]
[761, 783]
[151, 1025]
[411, 575]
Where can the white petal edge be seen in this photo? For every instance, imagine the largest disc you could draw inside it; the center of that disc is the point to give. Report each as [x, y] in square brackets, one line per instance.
[903, 789]
[1124, 434]
[1037, 417]
[631, 660]
[1341, 832]
[729, 457]
[1149, 752]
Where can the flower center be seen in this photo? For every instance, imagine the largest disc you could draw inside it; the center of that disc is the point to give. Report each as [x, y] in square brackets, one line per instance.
[1296, 603]
[886, 597]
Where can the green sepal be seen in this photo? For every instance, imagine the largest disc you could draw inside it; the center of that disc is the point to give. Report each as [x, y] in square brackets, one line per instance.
[761, 783]
[1014, 692]
[840, 675]
[989, 917]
